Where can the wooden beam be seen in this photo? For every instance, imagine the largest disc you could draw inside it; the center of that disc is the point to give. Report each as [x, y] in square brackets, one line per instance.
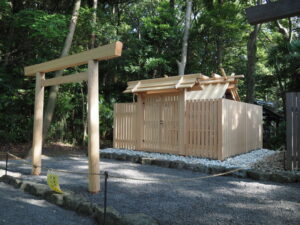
[179, 82]
[203, 77]
[223, 73]
[38, 125]
[216, 76]
[216, 81]
[273, 11]
[162, 91]
[101, 53]
[231, 86]
[93, 126]
[78, 77]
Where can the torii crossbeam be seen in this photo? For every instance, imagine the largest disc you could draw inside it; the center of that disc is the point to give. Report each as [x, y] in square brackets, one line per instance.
[91, 58]
[273, 11]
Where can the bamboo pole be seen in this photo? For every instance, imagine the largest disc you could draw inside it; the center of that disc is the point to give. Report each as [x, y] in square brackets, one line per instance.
[38, 124]
[93, 126]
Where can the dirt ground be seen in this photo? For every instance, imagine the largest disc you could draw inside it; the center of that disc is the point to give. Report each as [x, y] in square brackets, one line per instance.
[52, 149]
[273, 162]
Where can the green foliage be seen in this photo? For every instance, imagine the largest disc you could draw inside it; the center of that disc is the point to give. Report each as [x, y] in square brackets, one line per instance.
[152, 31]
[40, 24]
[106, 118]
[14, 114]
[4, 9]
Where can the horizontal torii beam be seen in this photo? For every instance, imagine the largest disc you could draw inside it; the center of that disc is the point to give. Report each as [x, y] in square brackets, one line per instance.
[101, 53]
[273, 11]
[78, 77]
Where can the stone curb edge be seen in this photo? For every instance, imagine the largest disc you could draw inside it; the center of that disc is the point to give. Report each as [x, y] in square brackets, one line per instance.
[79, 204]
[276, 176]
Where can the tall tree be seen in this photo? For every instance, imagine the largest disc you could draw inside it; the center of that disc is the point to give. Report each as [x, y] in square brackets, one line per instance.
[251, 62]
[54, 89]
[94, 22]
[220, 41]
[188, 13]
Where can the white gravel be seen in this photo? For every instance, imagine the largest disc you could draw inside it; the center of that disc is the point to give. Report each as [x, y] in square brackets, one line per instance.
[246, 160]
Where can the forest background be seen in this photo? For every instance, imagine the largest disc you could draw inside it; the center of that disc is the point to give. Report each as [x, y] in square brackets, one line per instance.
[35, 31]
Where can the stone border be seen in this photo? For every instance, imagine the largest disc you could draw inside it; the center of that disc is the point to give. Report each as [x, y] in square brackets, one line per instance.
[276, 176]
[79, 204]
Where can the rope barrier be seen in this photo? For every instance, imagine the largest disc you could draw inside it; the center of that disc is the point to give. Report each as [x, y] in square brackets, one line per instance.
[132, 178]
[177, 179]
[26, 162]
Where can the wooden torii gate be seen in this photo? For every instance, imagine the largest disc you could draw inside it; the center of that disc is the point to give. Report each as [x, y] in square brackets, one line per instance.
[91, 58]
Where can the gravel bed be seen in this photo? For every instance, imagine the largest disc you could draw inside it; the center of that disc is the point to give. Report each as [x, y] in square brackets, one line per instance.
[245, 161]
[17, 207]
[217, 200]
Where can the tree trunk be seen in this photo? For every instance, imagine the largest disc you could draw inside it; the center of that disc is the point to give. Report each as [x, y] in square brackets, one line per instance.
[94, 21]
[220, 49]
[172, 4]
[251, 54]
[182, 63]
[54, 89]
[286, 32]
[220, 42]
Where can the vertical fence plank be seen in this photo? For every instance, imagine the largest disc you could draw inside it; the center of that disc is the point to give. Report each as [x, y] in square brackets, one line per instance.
[198, 153]
[207, 120]
[211, 127]
[220, 129]
[202, 127]
[181, 122]
[197, 129]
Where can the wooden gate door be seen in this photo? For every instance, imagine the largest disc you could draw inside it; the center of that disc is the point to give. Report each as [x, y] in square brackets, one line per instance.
[161, 123]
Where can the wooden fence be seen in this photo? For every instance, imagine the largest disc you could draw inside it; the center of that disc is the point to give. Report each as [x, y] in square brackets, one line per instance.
[203, 122]
[213, 128]
[125, 125]
[293, 130]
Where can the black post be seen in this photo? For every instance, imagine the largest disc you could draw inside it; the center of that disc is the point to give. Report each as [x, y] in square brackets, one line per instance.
[6, 163]
[284, 151]
[105, 196]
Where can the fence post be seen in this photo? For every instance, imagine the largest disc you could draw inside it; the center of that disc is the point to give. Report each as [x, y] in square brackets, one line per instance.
[105, 196]
[6, 163]
[293, 130]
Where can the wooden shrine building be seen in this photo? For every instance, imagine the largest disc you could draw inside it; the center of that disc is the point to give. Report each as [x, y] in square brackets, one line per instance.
[192, 115]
